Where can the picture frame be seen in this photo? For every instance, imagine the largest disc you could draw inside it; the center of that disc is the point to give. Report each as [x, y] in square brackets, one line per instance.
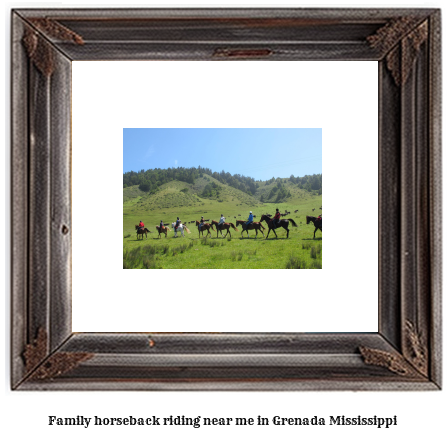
[405, 353]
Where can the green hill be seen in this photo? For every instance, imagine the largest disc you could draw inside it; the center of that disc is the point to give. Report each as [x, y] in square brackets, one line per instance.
[179, 194]
[204, 195]
[208, 184]
[180, 199]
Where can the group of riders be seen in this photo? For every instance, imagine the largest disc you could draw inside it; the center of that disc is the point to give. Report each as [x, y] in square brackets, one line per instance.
[177, 223]
[275, 219]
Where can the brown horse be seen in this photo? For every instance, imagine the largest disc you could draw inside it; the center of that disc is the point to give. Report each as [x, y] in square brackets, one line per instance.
[317, 223]
[253, 226]
[204, 227]
[224, 226]
[284, 223]
[143, 231]
[164, 230]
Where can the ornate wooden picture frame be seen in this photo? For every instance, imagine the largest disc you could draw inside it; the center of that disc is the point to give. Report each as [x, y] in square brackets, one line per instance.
[405, 353]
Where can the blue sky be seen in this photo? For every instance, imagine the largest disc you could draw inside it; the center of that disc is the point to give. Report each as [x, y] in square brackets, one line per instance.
[257, 153]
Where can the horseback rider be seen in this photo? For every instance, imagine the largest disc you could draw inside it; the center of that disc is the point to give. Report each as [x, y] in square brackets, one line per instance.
[319, 220]
[161, 225]
[201, 223]
[221, 222]
[177, 224]
[249, 221]
[140, 226]
[276, 218]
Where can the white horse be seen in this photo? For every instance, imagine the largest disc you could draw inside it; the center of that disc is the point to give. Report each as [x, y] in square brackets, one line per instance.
[181, 228]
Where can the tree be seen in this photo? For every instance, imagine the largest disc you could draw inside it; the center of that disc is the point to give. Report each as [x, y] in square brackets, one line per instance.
[207, 191]
[316, 183]
[145, 187]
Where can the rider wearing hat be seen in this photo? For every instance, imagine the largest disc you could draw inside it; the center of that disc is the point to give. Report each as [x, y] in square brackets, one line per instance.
[249, 221]
[276, 218]
[177, 224]
[140, 225]
[201, 223]
[221, 222]
[161, 225]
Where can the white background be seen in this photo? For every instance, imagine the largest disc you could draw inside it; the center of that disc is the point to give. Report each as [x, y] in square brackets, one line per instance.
[183, 94]
[419, 414]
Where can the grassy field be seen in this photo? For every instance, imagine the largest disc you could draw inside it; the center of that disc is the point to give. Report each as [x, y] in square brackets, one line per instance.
[299, 251]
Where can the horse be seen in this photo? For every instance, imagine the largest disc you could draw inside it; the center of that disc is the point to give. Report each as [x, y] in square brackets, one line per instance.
[317, 223]
[253, 226]
[282, 223]
[164, 230]
[225, 226]
[143, 231]
[181, 227]
[204, 227]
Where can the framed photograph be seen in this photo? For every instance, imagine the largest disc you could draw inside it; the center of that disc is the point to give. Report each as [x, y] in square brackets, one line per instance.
[194, 331]
[185, 196]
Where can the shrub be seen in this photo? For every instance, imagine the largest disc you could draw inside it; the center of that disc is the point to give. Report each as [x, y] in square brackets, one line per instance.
[211, 243]
[149, 263]
[140, 257]
[236, 255]
[149, 250]
[295, 263]
[316, 264]
[180, 249]
[315, 251]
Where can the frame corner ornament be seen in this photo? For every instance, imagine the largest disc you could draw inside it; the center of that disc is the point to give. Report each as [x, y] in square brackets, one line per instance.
[58, 364]
[40, 366]
[39, 49]
[400, 40]
[36, 351]
[394, 362]
[417, 350]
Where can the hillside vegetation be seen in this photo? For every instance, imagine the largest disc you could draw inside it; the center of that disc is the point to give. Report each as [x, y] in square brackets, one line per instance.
[272, 190]
[199, 194]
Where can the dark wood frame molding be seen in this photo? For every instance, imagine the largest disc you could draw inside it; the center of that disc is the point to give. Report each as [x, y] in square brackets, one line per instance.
[405, 354]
